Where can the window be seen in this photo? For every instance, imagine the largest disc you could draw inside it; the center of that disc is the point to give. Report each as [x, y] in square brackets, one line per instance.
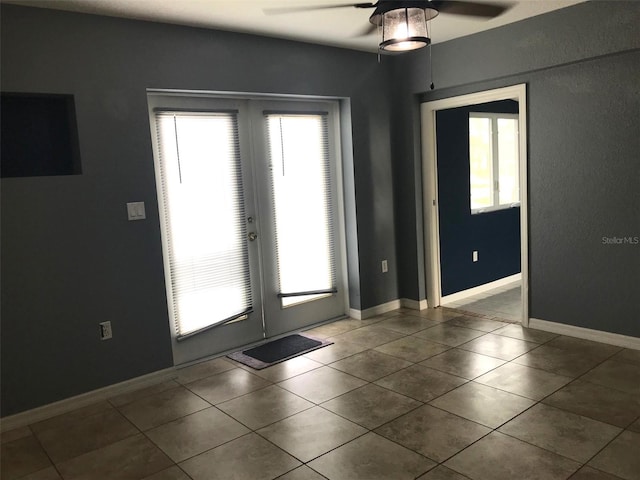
[300, 186]
[494, 161]
[201, 189]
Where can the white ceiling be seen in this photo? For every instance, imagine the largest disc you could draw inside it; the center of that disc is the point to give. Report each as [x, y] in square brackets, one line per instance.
[338, 27]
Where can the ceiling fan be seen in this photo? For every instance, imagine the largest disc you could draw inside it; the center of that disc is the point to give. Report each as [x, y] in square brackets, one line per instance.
[404, 23]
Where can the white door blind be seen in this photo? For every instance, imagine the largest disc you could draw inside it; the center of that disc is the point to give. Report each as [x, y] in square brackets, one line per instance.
[301, 191]
[203, 219]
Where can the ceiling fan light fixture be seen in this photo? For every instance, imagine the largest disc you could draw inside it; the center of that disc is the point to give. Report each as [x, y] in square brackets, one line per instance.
[403, 25]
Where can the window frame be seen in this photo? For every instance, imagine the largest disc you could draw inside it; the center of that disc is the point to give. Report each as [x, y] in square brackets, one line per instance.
[495, 162]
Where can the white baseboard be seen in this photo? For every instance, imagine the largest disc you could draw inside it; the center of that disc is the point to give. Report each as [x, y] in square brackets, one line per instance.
[586, 333]
[454, 297]
[414, 304]
[72, 403]
[373, 311]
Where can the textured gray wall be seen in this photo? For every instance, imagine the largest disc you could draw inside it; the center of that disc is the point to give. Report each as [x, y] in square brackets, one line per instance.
[582, 68]
[70, 258]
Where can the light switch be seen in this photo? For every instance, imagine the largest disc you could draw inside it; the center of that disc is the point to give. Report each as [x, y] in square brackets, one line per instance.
[135, 211]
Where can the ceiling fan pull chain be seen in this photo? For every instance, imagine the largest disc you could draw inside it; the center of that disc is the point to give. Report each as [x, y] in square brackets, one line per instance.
[380, 30]
[430, 33]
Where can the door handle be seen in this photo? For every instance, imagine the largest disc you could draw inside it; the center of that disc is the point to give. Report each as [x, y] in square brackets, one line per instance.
[252, 236]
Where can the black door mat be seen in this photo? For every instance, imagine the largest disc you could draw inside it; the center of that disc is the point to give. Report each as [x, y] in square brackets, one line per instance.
[278, 351]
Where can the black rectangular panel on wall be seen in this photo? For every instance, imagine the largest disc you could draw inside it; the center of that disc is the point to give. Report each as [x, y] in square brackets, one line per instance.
[39, 135]
[495, 235]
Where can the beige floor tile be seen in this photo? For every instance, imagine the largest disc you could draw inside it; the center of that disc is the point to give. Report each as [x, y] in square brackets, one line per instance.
[171, 473]
[573, 436]
[597, 402]
[498, 346]
[21, 457]
[463, 363]
[628, 355]
[302, 473]
[15, 434]
[433, 432]
[635, 426]
[437, 314]
[371, 457]
[570, 363]
[129, 397]
[85, 434]
[592, 349]
[227, 385]
[250, 457]
[371, 405]
[47, 474]
[500, 457]
[264, 406]
[336, 328]
[335, 352]
[619, 375]
[523, 333]
[204, 369]
[620, 457]
[66, 419]
[133, 457]
[476, 323]
[525, 381]
[449, 334]
[588, 473]
[485, 405]
[412, 349]
[407, 324]
[311, 433]
[420, 382]
[163, 407]
[442, 473]
[370, 336]
[321, 384]
[370, 365]
[191, 435]
[283, 370]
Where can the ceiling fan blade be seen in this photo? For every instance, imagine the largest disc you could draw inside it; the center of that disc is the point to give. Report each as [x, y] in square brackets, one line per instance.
[309, 8]
[367, 30]
[472, 9]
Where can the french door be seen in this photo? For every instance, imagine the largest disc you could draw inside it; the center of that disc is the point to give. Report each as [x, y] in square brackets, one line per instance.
[248, 192]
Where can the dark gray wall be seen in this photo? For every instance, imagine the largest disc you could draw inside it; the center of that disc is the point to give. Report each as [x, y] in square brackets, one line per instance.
[582, 69]
[70, 258]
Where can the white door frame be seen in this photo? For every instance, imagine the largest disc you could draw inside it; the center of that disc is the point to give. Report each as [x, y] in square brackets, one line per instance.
[430, 186]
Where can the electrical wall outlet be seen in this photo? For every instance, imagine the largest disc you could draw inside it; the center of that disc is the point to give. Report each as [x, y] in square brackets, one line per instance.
[474, 256]
[385, 266]
[135, 211]
[105, 331]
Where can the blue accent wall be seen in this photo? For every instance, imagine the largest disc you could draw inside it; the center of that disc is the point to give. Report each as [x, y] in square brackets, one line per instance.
[495, 235]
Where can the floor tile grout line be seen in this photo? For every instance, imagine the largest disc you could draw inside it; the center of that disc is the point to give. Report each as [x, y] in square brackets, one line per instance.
[564, 409]
[581, 464]
[55, 464]
[422, 404]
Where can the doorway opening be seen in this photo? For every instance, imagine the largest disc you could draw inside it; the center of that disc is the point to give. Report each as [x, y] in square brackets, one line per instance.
[475, 203]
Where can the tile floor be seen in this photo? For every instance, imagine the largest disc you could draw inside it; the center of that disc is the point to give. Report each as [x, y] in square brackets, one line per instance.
[503, 302]
[430, 395]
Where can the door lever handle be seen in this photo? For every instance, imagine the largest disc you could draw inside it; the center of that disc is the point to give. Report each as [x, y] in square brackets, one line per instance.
[252, 236]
